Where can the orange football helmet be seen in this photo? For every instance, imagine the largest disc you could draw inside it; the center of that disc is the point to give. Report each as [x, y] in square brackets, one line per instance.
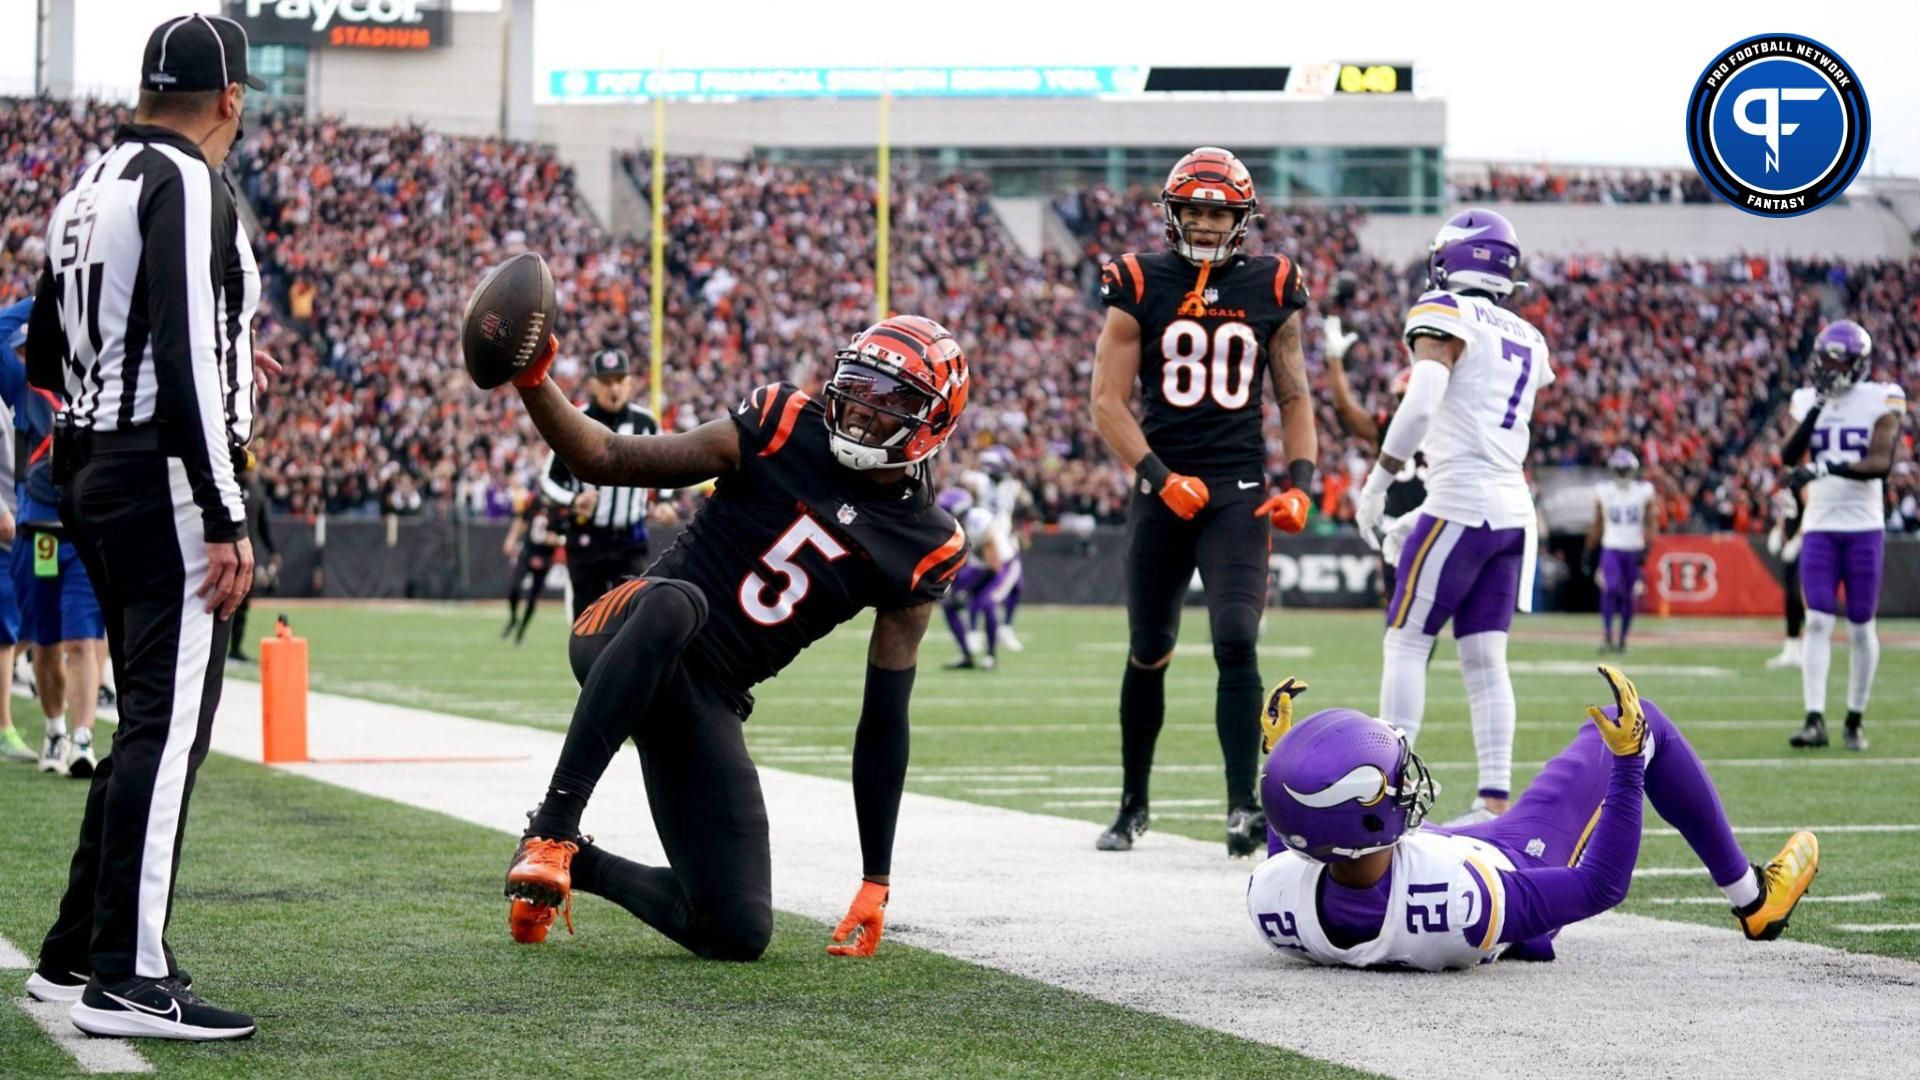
[906, 367]
[1209, 176]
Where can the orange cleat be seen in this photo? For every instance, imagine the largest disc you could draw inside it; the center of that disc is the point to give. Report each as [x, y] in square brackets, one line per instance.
[539, 882]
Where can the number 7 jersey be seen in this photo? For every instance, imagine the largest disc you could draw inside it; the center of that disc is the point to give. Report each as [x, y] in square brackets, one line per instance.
[1476, 447]
[1203, 353]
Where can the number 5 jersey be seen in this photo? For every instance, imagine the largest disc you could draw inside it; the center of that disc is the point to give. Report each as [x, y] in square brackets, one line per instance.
[792, 544]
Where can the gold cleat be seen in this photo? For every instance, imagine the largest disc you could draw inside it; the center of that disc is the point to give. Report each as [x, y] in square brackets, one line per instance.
[1783, 882]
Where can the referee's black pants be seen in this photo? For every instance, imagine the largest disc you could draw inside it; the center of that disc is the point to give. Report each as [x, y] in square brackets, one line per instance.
[132, 518]
[593, 572]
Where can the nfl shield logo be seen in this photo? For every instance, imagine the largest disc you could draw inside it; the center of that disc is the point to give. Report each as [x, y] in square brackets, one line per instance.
[1211, 296]
[847, 514]
[496, 327]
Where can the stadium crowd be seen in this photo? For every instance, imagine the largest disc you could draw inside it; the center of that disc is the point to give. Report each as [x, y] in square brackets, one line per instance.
[1546, 184]
[370, 239]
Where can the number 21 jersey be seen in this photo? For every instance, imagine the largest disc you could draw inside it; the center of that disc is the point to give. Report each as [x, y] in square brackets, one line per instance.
[1476, 447]
[1203, 353]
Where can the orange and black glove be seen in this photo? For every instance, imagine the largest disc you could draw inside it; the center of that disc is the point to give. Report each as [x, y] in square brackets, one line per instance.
[536, 373]
[859, 933]
[1184, 495]
[1287, 510]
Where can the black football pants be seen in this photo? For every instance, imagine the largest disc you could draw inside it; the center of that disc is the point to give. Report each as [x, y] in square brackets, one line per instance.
[1228, 545]
[132, 519]
[594, 576]
[715, 896]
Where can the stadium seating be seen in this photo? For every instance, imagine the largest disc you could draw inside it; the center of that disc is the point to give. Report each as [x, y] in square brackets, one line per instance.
[370, 239]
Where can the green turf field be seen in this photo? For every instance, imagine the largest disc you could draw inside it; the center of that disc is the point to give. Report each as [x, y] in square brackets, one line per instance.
[367, 935]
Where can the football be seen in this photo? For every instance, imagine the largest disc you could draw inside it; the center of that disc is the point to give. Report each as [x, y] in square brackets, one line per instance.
[508, 320]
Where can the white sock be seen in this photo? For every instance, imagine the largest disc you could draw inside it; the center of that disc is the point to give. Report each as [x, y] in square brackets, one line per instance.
[56, 725]
[1403, 679]
[1483, 667]
[1742, 891]
[1861, 663]
[1794, 648]
[1818, 643]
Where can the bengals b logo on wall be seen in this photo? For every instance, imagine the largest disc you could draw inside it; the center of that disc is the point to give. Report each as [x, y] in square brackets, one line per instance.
[1688, 577]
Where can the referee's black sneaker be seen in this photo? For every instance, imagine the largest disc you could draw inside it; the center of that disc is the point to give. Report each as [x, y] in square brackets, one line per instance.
[155, 1009]
[54, 983]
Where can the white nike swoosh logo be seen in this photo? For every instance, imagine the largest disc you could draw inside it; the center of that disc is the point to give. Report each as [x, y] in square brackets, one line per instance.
[1365, 784]
[172, 1010]
[1248, 485]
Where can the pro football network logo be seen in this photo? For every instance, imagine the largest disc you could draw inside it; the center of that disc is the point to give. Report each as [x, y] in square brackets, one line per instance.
[1778, 125]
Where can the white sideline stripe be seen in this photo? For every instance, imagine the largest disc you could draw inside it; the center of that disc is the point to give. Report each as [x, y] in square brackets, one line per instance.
[93, 1055]
[1165, 928]
[1196, 648]
[12, 959]
[1584, 669]
[1075, 804]
[1876, 928]
[1669, 871]
[1721, 901]
[1782, 830]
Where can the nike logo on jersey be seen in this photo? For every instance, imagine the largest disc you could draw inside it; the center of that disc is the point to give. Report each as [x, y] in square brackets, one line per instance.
[172, 1011]
[1248, 485]
[744, 407]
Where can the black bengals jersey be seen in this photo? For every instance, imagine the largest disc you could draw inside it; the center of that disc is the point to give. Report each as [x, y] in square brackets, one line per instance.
[793, 544]
[1203, 357]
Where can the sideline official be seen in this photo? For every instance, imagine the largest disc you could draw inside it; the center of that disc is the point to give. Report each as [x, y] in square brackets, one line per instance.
[606, 526]
[143, 321]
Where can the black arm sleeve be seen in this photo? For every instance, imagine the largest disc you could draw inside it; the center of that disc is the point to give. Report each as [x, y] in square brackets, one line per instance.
[880, 765]
[47, 338]
[1801, 438]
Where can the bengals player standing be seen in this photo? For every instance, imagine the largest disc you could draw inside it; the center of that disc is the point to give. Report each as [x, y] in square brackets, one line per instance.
[1197, 327]
[821, 511]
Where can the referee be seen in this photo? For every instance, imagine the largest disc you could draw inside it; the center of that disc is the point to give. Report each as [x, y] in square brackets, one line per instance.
[143, 321]
[606, 526]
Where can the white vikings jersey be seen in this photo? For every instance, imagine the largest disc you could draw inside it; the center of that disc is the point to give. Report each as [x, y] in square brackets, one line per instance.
[1623, 513]
[1837, 503]
[1446, 910]
[1476, 447]
[984, 530]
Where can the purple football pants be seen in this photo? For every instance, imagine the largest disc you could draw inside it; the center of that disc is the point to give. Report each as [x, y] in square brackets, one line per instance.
[1621, 569]
[1470, 574]
[1829, 560]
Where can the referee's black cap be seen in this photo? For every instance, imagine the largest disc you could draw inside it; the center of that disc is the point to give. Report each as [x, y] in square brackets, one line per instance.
[197, 52]
[609, 364]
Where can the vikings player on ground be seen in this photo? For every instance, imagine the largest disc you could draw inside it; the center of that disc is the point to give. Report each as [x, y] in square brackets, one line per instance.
[1469, 558]
[1623, 523]
[821, 512]
[1849, 424]
[1194, 328]
[1356, 879]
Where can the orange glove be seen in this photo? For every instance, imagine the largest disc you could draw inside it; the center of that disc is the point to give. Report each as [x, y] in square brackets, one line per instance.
[1184, 495]
[866, 918]
[536, 372]
[1287, 510]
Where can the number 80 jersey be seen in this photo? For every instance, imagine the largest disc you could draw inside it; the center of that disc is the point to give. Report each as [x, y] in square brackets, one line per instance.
[1203, 354]
[1446, 909]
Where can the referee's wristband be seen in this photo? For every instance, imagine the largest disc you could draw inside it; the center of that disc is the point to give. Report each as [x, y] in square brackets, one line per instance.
[1153, 473]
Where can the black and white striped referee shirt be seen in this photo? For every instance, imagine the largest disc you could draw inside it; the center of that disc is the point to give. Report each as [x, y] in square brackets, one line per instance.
[619, 508]
[145, 311]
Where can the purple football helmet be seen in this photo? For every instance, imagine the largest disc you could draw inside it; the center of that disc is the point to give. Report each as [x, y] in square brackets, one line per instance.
[1341, 784]
[997, 461]
[1840, 356]
[1475, 249]
[1623, 463]
[955, 501]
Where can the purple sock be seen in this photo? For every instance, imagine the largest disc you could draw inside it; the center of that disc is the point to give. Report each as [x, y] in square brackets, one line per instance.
[983, 609]
[958, 626]
[1606, 611]
[1626, 614]
[1683, 794]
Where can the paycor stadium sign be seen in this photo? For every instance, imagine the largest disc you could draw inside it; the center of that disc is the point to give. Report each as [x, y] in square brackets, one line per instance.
[1295, 80]
[397, 25]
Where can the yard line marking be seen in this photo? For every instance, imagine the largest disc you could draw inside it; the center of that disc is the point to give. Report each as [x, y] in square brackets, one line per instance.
[1074, 804]
[1173, 919]
[1195, 648]
[1045, 790]
[1584, 668]
[12, 959]
[1822, 830]
[93, 1055]
[1844, 898]
[1876, 928]
[1669, 871]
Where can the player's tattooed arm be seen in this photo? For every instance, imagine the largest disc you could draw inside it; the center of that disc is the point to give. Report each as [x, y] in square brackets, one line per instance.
[599, 456]
[1416, 409]
[1116, 367]
[1298, 435]
[895, 644]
